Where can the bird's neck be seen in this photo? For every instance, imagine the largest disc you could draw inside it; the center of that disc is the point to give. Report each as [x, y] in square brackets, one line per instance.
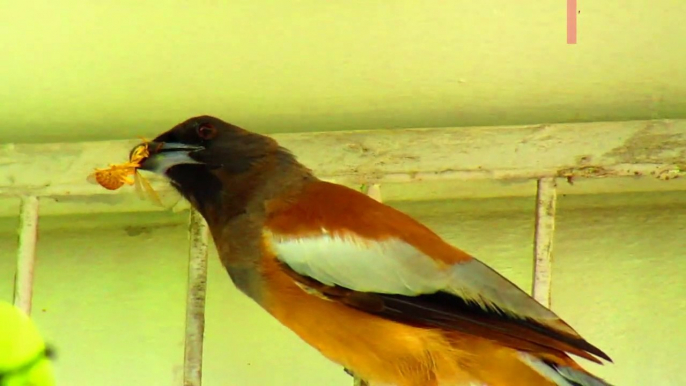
[237, 229]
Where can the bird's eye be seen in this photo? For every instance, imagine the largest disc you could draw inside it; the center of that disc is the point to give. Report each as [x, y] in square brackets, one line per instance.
[206, 131]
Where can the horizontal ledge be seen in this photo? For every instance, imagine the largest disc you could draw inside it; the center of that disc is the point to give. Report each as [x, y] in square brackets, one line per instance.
[127, 201]
[576, 150]
[126, 210]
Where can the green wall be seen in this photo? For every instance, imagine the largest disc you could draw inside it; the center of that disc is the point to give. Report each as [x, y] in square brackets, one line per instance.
[110, 291]
[81, 69]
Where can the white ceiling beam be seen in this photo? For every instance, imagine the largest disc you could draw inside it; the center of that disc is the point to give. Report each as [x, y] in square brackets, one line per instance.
[436, 155]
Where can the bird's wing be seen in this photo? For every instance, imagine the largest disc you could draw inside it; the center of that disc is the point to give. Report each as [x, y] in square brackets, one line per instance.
[370, 256]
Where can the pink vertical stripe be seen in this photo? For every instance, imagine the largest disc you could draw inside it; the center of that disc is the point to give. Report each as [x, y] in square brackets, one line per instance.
[571, 21]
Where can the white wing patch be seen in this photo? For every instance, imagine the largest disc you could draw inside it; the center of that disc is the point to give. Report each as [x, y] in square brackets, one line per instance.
[391, 267]
[395, 267]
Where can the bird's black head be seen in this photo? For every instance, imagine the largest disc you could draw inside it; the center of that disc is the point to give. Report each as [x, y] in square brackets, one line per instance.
[205, 157]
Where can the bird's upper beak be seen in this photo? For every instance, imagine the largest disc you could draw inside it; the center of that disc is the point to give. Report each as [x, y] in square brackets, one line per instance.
[164, 155]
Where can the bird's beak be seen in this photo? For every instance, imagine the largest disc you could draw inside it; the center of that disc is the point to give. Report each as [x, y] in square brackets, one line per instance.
[164, 155]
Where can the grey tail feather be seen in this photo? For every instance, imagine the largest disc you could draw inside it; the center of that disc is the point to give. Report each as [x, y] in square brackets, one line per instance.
[578, 378]
[562, 375]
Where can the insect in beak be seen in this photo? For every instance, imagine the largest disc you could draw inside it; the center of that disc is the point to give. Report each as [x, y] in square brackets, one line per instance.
[117, 175]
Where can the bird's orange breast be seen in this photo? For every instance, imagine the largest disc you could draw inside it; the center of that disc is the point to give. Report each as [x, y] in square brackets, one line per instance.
[388, 352]
[374, 348]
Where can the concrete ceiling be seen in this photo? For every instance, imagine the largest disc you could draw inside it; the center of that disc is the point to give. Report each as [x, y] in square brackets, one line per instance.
[84, 70]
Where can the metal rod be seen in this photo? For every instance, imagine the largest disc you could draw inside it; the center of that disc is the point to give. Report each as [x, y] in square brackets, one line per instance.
[26, 253]
[373, 191]
[546, 198]
[195, 300]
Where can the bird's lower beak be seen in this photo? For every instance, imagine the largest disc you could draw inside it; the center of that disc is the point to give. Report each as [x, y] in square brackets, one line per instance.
[164, 155]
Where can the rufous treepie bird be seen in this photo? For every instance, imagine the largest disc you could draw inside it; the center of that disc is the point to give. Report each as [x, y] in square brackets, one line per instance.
[368, 286]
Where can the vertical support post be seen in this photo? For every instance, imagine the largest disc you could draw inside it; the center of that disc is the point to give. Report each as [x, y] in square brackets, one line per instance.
[195, 299]
[26, 253]
[373, 191]
[546, 198]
